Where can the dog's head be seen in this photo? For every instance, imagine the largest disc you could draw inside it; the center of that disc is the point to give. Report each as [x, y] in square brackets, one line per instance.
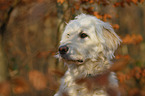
[87, 37]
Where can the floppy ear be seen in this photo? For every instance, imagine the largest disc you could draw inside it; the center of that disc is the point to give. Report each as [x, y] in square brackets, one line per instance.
[108, 38]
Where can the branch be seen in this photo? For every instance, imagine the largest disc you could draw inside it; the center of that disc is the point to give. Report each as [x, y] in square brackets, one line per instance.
[8, 14]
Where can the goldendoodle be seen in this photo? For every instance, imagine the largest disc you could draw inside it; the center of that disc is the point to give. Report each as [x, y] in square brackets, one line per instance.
[87, 47]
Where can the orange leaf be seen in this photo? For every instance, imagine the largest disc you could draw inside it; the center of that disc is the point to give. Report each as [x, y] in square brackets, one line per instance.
[97, 15]
[121, 77]
[20, 85]
[77, 6]
[115, 26]
[116, 4]
[132, 39]
[5, 88]
[60, 1]
[91, 1]
[120, 63]
[37, 79]
[134, 1]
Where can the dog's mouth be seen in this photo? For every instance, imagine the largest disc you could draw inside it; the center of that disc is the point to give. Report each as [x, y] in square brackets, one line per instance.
[76, 61]
[79, 61]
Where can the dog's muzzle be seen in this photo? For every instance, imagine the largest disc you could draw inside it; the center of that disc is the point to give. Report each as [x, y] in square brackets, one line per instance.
[63, 51]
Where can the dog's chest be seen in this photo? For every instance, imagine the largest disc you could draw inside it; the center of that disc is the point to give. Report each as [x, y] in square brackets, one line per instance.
[74, 89]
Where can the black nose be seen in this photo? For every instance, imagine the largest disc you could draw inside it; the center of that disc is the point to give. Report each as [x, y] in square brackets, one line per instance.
[63, 49]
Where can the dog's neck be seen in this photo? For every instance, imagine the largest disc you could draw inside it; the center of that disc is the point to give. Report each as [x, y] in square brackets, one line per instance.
[89, 68]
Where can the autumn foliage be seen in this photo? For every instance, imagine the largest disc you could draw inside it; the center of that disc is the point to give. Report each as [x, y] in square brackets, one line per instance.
[30, 74]
[132, 39]
[17, 85]
[37, 79]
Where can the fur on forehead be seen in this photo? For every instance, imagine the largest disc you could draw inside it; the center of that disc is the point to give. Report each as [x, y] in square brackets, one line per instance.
[104, 32]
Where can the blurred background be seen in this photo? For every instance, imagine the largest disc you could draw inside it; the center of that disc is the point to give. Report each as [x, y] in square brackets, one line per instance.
[30, 31]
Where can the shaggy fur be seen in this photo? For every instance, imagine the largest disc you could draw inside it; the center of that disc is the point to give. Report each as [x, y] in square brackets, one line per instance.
[87, 56]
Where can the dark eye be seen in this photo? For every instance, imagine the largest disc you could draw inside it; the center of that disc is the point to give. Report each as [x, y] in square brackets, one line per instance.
[83, 35]
[68, 35]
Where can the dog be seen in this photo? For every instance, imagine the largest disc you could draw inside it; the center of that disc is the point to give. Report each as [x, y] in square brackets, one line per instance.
[87, 47]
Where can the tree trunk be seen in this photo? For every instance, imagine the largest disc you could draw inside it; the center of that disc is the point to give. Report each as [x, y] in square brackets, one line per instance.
[3, 64]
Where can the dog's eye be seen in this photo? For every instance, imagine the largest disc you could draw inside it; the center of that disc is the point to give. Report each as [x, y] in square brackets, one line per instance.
[83, 35]
[68, 35]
